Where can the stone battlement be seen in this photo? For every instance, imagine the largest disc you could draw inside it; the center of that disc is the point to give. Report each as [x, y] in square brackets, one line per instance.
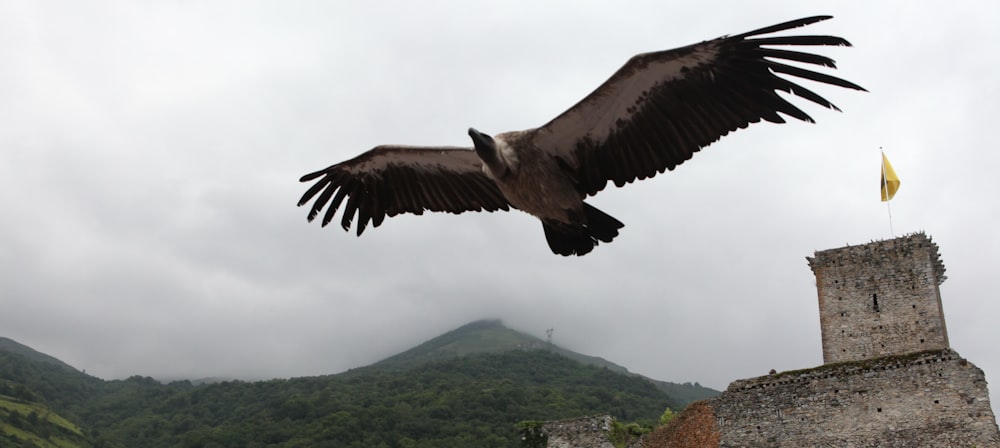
[883, 251]
[827, 371]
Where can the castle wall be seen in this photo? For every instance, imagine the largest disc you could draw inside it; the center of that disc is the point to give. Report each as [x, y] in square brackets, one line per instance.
[880, 299]
[929, 399]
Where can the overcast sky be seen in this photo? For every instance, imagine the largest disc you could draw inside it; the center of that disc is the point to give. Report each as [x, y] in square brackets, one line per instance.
[150, 155]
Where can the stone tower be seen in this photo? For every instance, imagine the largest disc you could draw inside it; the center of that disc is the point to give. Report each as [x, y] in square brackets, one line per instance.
[880, 299]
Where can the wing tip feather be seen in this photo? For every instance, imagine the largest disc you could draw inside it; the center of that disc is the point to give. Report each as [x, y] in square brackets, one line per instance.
[784, 26]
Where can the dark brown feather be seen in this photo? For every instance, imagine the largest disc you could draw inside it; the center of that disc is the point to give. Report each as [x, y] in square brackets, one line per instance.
[660, 108]
[389, 180]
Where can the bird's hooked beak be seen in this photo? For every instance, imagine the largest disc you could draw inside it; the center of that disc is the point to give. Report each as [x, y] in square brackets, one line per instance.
[482, 141]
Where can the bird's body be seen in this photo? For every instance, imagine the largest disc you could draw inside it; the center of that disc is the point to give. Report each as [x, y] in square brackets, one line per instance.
[526, 185]
[653, 114]
[525, 178]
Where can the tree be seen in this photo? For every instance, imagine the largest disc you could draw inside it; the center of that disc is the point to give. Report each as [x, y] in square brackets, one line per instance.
[667, 416]
[622, 434]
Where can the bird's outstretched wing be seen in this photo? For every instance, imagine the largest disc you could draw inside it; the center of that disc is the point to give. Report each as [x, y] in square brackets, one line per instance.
[389, 180]
[660, 108]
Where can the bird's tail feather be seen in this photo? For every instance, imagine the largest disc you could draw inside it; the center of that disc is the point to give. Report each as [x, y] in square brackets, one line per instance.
[580, 239]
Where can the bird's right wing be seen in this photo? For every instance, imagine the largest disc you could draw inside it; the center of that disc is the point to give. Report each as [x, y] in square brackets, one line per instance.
[389, 180]
[660, 108]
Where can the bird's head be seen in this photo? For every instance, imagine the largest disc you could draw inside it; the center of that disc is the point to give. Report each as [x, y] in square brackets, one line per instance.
[485, 146]
[486, 149]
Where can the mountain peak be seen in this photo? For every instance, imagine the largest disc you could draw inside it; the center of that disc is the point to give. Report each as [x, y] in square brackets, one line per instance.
[492, 336]
[481, 336]
[485, 336]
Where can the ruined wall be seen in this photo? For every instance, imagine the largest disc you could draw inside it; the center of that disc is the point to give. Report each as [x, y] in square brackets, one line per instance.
[590, 432]
[880, 299]
[929, 399]
[584, 432]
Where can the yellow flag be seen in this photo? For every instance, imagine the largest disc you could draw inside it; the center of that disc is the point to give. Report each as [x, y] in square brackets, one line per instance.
[889, 182]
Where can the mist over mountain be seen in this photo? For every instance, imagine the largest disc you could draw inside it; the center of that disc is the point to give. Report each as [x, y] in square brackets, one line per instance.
[467, 387]
[492, 336]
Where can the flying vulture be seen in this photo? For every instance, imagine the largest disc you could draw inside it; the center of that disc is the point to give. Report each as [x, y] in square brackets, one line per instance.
[651, 115]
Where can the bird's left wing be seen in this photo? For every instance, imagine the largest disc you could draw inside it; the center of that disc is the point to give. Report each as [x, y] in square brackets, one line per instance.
[389, 180]
[660, 108]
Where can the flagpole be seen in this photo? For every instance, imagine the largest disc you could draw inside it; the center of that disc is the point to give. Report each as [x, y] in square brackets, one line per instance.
[885, 189]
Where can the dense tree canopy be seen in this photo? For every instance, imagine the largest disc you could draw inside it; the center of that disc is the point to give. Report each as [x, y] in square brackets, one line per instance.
[470, 401]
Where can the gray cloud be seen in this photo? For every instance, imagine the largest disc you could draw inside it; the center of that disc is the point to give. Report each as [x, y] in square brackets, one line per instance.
[151, 152]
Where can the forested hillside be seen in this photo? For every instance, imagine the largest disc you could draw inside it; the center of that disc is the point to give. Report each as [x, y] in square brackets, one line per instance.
[491, 336]
[473, 399]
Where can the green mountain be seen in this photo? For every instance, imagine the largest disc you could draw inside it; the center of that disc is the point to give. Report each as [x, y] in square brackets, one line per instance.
[491, 336]
[484, 336]
[468, 387]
